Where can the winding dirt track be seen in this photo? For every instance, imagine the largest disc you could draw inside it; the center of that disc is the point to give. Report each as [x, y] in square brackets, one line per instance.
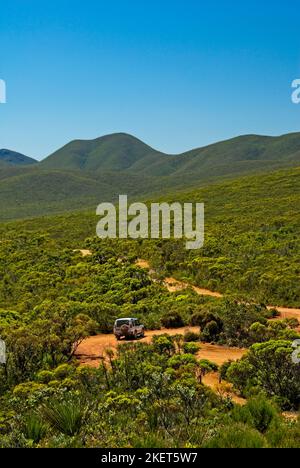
[174, 285]
[92, 350]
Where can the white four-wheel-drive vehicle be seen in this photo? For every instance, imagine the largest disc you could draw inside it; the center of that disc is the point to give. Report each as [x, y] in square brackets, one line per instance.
[128, 328]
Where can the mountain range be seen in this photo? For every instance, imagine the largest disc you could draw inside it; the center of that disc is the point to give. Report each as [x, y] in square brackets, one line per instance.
[84, 173]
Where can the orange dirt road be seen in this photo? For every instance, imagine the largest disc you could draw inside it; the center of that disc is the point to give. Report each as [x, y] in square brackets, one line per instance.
[91, 350]
[174, 285]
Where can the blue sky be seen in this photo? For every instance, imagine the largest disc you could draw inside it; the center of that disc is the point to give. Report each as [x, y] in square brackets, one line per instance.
[177, 74]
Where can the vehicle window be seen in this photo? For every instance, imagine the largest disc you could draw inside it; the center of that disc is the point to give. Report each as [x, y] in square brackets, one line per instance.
[121, 322]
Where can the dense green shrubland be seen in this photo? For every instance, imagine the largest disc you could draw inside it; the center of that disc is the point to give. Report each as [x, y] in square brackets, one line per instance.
[252, 241]
[51, 298]
[157, 402]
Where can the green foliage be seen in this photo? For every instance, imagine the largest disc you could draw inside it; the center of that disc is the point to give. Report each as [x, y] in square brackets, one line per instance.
[279, 330]
[191, 348]
[182, 359]
[45, 376]
[258, 412]
[190, 336]
[163, 344]
[66, 417]
[257, 255]
[269, 367]
[52, 298]
[34, 428]
[172, 320]
[82, 173]
[237, 319]
[26, 389]
[150, 395]
[237, 436]
[282, 437]
[63, 371]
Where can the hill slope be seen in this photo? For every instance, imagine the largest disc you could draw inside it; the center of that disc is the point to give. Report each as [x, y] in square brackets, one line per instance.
[85, 173]
[122, 152]
[252, 238]
[36, 192]
[116, 152]
[12, 158]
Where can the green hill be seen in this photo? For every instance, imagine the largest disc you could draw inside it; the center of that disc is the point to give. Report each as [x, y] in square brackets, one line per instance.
[84, 173]
[11, 158]
[36, 192]
[252, 237]
[54, 301]
[116, 152]
[122, 152]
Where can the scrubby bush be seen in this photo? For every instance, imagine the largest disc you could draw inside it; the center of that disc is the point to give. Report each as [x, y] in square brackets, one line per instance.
[181, 359]
[172, 320]
[269, 367]
[163, 344]
[191, 348]
[63, 371]
[26, 389]
[190, 336]
[224, 368]
[45, 376]
[237, 436]
[258, 413]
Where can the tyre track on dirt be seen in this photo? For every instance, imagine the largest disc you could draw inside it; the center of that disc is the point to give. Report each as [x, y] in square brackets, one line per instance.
[174, 285]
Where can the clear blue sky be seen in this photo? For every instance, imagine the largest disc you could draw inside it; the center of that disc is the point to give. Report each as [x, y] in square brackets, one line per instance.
[177, 74]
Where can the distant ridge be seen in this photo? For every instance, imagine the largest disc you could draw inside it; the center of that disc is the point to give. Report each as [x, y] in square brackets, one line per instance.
[115, 152]
[12, 158]
[84, 173]
[123, 152]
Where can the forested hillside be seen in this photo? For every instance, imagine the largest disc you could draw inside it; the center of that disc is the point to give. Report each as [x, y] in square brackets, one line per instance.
[83, 174]
[252, 242]
[52, 298]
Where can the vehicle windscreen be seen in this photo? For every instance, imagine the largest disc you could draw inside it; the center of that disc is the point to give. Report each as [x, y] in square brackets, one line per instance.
[119, 323]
